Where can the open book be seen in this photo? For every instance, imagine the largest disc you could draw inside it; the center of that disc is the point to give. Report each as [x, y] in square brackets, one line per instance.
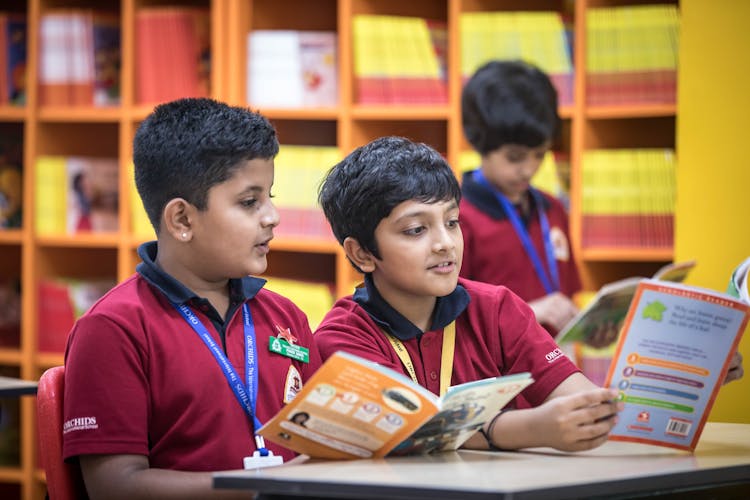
[354, 408]
[670, 360]
[598, 324]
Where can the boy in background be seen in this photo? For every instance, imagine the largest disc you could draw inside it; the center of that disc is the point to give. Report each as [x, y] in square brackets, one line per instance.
[170, 374]
[393, 205]
[514, 234]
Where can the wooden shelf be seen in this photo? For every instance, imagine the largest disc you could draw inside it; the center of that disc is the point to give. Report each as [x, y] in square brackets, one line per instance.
[12, 113]
[631, 111]
[301, 113]
[405, 112]
[80, 114]
[93, 240]
[614, 254]
[10, 236]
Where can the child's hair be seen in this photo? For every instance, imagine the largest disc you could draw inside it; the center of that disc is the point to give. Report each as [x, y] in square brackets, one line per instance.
[187, 146]
[364, 187]
[509, 102]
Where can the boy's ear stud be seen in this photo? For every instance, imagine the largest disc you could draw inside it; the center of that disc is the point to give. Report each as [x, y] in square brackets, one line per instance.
[184, 236]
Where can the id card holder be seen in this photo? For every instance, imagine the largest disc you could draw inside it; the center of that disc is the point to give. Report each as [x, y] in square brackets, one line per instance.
[258, 461]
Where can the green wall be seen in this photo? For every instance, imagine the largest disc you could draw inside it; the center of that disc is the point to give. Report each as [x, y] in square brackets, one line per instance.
[713, 151]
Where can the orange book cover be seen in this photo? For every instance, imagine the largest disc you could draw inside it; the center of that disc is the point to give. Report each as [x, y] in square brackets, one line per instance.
[353, 408]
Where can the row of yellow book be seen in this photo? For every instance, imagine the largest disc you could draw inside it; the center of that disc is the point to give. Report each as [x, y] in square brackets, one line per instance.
[628, 197]
[631, 54]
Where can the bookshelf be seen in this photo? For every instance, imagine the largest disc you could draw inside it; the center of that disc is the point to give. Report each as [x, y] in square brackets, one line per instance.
[108, 131]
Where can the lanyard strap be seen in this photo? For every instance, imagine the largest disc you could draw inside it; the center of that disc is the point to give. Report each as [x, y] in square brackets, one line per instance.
[247, 393]
[551, 283]
[446, 356]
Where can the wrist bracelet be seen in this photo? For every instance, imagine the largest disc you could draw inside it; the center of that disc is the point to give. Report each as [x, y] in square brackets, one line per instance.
[488, 433]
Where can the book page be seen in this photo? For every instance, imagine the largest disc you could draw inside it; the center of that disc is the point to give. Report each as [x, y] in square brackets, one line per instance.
[351, 408]
[464, 409]
[671, 358]
[598, 324]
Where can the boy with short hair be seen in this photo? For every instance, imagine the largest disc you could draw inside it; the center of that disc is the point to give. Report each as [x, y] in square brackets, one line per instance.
[515, 235]
[394, 207]
[170, 374]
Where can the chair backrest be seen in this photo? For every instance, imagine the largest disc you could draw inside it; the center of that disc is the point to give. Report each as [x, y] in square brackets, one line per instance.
[64, 480]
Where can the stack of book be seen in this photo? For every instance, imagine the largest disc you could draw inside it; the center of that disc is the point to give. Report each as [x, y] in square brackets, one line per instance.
[399, 60]
[172, 53]
[631, 54]
[12, 58]
[76, 195]
[298, 174]
[536, 37]
[292, 68]
[79, 63]
[628, 198]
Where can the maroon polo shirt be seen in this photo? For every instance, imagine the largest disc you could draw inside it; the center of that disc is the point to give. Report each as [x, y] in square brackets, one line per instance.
[139, 380]
[493, 252]
[496, 334]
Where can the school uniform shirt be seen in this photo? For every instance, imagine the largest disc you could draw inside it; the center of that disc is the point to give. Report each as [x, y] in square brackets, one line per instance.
[139, 380]
[493, 252]
[496, 334]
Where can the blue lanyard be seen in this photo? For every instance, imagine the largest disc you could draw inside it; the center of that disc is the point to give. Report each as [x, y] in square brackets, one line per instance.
[550, 285]
[247, 393]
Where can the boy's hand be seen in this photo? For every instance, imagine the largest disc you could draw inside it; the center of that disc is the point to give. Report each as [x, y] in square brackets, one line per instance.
[736, 371]
[577, 422]
[554, 310]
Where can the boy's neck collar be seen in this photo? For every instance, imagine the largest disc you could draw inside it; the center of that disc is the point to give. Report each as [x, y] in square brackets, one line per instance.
[485, 200]
[240, 289]
[447, 309]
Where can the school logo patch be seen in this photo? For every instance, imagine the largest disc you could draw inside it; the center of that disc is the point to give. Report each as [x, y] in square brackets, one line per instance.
[560, 245]
[293, 384]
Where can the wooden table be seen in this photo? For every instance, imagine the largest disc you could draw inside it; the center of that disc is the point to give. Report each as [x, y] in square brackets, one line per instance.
[719, 466]
[11, 387]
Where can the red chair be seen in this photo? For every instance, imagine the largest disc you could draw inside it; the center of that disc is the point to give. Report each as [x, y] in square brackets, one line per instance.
[64, 480]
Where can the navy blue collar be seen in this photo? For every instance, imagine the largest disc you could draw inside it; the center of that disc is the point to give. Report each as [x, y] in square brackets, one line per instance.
[485, 200]
[240, 289]
[447, 309]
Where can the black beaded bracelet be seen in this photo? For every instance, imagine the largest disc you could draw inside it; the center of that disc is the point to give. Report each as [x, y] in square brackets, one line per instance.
[488, 433]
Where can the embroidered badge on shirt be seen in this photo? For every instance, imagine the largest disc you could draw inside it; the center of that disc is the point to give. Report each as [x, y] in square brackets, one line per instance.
[293, 384]
[559, 244]
[285, 345]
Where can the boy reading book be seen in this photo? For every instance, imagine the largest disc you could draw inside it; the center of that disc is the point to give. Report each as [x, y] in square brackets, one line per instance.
[393, 206]
[170, 375]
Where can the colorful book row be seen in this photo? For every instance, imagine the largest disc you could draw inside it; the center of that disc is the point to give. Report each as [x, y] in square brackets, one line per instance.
[76, 195]
[79, 58]
[12, 58]
[628, 198]
[172, 53]
[298, 174]
[631, 54]
[537, 37]
[292, 69]
[399, 59]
